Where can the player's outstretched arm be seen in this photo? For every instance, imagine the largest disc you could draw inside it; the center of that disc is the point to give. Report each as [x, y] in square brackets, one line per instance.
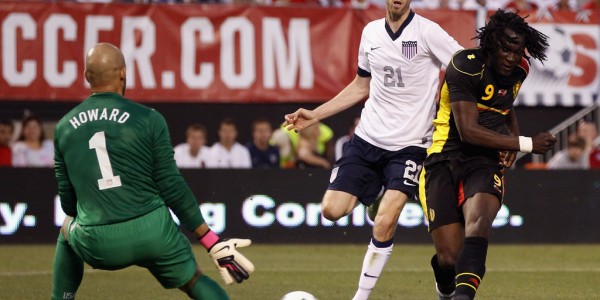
[354, 92]
[232, 265]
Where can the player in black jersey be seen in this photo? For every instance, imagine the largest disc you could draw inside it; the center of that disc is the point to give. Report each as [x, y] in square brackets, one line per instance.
[476, 136]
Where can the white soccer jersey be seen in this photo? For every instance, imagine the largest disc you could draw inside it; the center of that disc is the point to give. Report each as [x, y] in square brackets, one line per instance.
[185, 160]
[404, 70]
[236, 158]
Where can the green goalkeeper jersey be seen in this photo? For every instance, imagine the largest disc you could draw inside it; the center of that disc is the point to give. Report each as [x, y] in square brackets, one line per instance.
[114, 162]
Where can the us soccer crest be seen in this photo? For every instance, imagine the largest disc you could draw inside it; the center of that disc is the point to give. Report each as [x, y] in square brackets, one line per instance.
[409, 49]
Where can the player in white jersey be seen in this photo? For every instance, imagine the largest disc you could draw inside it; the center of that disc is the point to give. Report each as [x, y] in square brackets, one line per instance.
[399, 63]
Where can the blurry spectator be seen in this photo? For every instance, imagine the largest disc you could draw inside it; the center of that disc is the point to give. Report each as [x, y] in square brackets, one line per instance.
[325, 142]
[194, 152]
[467, 4]
[342, 142]
[263, 154]
[591, 4]
[494, 4]
[314, 3]
[6, 132]
[287, 153]
[594, 158]
[98, 1]
[563, 5]
[362, 4]
[521, 5]
[573, 157]
[454, 4]
[307, 149]
[32, 148]
[333, 3]
[589, 132]
[287, 142]
[227, 152]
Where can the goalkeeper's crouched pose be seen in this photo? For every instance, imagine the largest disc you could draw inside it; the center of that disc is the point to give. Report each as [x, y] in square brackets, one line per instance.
[117, 180]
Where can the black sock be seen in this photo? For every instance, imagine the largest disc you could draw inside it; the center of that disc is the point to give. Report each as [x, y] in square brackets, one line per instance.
[470, 266]
[444, 276]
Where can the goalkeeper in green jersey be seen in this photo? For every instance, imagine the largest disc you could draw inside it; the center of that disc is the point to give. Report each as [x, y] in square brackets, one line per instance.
[117, 179]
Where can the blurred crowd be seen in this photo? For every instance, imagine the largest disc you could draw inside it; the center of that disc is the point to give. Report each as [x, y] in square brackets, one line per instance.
[521, 5]
[582, 149]
[28, 143]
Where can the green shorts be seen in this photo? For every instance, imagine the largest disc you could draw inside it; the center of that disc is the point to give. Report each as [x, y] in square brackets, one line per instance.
[152, 241]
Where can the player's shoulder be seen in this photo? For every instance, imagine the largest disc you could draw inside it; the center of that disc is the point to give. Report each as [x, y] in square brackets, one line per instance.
[425, 24]
[374, 25]
[417, 18]
[130, 104]
[140, 110]
[468, 61]
[524, 65]
[69, 115]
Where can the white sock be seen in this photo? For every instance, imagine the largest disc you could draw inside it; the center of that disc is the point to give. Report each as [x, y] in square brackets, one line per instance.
[375, 260]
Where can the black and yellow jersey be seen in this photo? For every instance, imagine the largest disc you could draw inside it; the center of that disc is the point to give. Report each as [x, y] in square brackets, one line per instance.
[469, 79]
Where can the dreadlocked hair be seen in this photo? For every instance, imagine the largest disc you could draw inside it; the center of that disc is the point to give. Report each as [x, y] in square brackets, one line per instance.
[492, 34]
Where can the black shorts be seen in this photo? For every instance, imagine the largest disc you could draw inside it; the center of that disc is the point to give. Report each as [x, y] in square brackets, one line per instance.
[449, 179]
[364, 169]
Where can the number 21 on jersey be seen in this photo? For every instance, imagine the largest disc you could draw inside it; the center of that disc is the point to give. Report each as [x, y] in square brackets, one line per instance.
[108, 180]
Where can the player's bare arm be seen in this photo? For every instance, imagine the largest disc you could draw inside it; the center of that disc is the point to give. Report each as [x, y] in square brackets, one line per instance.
[466, 116]
[354, 92]
[508, 157]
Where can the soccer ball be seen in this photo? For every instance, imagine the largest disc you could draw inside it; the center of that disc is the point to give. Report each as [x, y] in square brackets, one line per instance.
[298, 295]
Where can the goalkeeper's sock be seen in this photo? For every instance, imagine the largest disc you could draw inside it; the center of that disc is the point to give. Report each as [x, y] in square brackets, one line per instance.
[470, 266]
[68, 271]
[207, 289]
[376, 257]
[444, 276]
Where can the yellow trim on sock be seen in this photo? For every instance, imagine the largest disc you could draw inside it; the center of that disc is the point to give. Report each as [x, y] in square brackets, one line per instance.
[474, 288]
[472, 274]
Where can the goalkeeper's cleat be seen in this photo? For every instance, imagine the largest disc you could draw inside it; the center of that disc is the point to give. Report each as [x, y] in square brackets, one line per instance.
[443, 296]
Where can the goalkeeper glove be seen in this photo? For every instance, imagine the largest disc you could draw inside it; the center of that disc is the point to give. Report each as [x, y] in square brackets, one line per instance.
[232, 265]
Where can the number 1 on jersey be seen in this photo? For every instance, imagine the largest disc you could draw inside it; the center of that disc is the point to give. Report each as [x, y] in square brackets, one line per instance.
[108, 180]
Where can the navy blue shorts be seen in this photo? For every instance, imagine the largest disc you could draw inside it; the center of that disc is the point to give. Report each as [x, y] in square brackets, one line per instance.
[364, 169]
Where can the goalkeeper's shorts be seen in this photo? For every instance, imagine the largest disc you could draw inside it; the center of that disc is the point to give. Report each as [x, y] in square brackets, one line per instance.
[152, 241]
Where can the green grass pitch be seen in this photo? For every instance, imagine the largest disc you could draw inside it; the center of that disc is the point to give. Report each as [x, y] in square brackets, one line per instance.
[329, 272]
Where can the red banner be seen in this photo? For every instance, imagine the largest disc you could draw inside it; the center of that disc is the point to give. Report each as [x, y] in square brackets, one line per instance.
[226, 53]
[191, 53]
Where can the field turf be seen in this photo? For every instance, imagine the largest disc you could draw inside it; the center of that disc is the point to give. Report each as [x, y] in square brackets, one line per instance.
[524, 272]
